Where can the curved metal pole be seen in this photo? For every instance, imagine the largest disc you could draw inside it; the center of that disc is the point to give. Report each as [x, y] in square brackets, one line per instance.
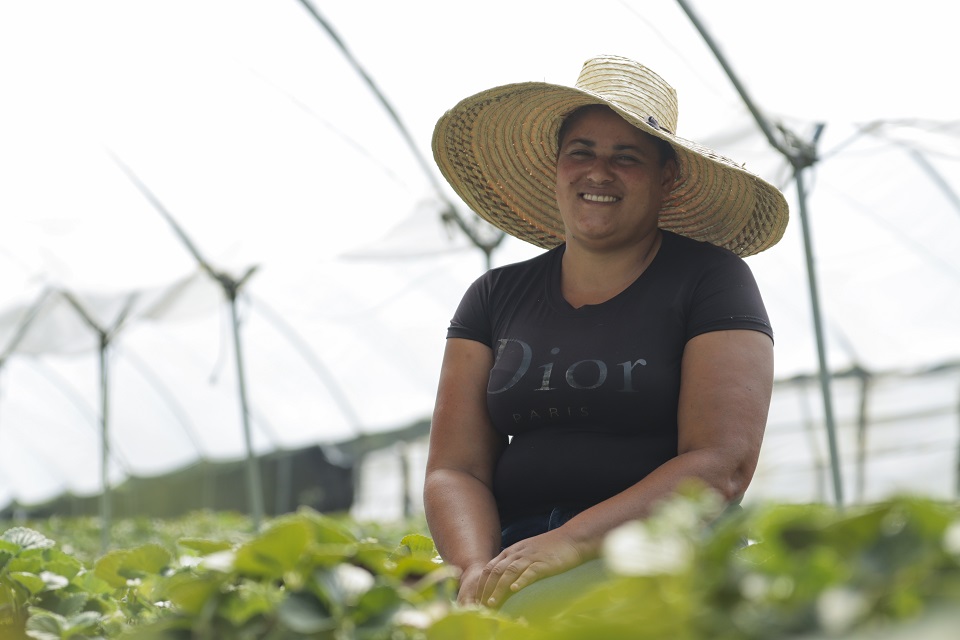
[305, 351]
[801, 156]
[937, 178]
[167, 397]
[450, 214]
[24, 325]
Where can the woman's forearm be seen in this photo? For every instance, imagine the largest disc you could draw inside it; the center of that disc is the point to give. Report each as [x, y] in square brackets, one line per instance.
[712, 468]
[725, 390]
[462, 516]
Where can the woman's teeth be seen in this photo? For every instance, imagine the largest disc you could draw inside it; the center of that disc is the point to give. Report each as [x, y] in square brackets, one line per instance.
[598, 198]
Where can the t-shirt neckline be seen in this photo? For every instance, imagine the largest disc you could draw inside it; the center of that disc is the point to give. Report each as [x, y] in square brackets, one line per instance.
[555, 295]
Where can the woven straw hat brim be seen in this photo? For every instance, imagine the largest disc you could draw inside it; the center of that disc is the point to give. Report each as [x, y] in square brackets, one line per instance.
[498, 150]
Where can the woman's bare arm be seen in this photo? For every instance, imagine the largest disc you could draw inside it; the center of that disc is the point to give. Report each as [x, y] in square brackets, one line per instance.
[464, 447]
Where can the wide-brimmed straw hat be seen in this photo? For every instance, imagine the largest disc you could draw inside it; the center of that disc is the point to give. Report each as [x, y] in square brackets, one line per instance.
[498, 150]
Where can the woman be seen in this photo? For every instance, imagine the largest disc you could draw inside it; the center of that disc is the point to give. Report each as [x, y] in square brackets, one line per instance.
[583, 386]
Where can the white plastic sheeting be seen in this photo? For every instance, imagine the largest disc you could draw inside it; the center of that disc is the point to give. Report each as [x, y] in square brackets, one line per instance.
[246, 122]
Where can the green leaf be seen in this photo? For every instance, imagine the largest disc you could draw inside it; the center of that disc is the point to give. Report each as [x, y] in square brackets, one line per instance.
[304, 614]
[375, 557]
[415, 566]
[72, 604]
[275, 551]
[27, 538]
[204, 546]
[331, 554]
[61, 563]
[33, 583]
[81, 623]
[89, 582]
[248, 600]
[7, 551]
[31, 560]
[118, 567]
[376, 604]
[191, 592]
[464, 625]
[416, 555]
[45, 625]
[148, 559]
[7, 547]
[418, 544]
[326, 530]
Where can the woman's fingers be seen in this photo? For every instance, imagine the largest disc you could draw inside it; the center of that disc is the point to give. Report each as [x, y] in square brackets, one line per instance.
[489, 578]
[526, 578]
[500, 578]
[470, 586]
[524, 563]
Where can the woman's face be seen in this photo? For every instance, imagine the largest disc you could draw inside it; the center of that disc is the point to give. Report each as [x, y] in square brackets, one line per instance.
[610, 180]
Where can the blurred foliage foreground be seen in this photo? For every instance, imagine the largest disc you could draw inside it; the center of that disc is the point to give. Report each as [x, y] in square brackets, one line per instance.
[887, 570]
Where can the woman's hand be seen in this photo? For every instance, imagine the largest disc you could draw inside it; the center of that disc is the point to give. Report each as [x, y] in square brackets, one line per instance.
[469, 585]
[524, 563]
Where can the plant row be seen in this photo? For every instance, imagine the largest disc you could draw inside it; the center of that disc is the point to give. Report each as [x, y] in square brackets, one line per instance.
[776, 571]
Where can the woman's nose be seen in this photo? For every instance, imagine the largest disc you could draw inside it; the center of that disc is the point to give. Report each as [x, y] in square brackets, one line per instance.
[600, 172]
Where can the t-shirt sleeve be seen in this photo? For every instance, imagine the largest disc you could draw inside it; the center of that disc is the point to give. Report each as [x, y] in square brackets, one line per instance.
[727, 297]
[472, 317]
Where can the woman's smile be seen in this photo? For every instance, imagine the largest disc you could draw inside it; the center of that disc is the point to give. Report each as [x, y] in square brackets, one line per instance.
[592, 197]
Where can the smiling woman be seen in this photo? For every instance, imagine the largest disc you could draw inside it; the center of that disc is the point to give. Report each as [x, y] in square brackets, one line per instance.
[582, 387]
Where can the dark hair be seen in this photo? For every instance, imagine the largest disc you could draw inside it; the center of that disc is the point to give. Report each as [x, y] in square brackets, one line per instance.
[664, 148]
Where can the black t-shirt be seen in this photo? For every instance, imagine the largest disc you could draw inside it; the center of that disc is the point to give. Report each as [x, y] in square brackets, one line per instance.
[590, 395]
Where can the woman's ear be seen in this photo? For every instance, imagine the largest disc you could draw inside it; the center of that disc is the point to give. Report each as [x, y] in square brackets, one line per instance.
[669, 174]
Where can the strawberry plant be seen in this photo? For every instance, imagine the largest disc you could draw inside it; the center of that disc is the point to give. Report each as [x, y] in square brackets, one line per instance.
[777, 571]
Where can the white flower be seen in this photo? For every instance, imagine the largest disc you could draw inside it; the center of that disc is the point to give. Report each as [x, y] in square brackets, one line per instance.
[690, 513]
[219, 561]
[951, 538]
[757, 587]
[754, 587]
[633, 549]
[353, 580]
[412, 618]
[190, 561]
[53, 581]
[782, 587]
[839, 608]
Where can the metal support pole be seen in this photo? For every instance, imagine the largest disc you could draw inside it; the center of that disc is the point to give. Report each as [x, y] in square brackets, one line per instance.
[957, 479]
[105, 515]
[254, 482]
[800, 156]
[230, 288]
[862, 424]
[824, 373]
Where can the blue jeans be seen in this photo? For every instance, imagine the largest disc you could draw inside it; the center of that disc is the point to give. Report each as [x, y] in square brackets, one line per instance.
[529, 526]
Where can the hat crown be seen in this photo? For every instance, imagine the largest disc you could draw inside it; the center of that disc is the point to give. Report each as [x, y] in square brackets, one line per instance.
[633, 88]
